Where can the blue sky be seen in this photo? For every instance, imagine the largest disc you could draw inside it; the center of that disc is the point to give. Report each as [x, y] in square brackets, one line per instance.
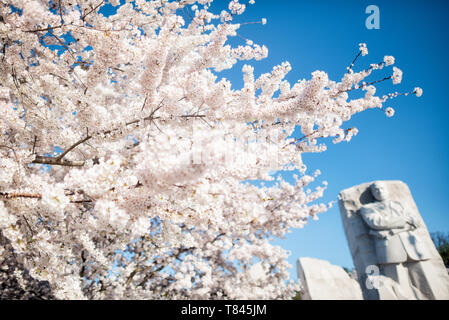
[411, 146]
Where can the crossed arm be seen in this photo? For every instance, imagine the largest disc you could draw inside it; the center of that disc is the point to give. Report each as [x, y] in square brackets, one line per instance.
[375, 220]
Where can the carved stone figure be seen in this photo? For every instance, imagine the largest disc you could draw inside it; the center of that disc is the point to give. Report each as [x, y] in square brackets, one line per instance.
[392, 251]
[321, 280]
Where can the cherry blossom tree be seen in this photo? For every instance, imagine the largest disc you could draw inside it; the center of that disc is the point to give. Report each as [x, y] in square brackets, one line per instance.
[126, 159]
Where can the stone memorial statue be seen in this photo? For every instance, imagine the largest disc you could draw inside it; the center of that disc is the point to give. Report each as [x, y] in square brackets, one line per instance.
[321, 280]
[392, 251]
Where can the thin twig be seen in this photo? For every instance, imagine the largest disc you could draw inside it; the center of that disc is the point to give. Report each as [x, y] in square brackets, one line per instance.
[307, 136]
[73, 146]
[12, 149]
[353, 61]
[60, 11]
[44, 29]
[92, 10]
[34, 144]
[144, 102]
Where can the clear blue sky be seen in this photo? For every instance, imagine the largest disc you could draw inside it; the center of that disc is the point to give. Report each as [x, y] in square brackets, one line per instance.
[412, 146]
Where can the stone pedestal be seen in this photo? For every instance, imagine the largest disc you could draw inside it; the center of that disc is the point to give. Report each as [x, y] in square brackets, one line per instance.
[321, 280]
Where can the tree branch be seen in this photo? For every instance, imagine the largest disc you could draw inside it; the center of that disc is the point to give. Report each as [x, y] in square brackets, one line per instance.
[307, 136]
[60, 161]
[353, 61]
[11, 195]
[73, 147]
[92, 10]
[29, 195]
[57, 162]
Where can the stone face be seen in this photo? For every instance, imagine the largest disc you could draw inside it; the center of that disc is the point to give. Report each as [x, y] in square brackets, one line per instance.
[323, 281]
[391, 248]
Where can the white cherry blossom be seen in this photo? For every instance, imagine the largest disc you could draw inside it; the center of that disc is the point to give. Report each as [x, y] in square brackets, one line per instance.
[126, 157]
